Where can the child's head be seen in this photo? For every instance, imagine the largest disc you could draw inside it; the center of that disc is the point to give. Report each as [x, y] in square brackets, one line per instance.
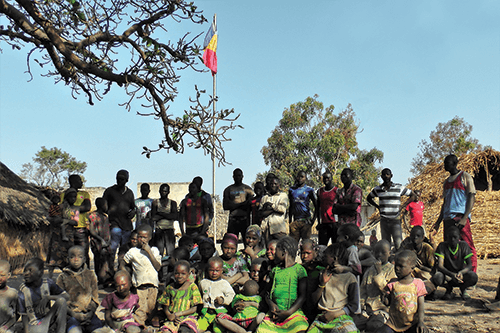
[336, 253]
[101, 204]
[259, 189]
[229, 246]
[76, 257]
[271, 249]
[404, 263]
[307, 251]
[250, 288]
[180, 253]
[55, 198]
[70, 196]
[164, 190]
[33, 271]
[253, 236]
[452, 236]
[348, 233]
[286, 246]
[382, 251]
[134, 240]
[417, 235]
[374, 232]
[360, 241]
[206, 247]
[214, 268]
[4, 273]
[187, 242]
[145, 189]
[181, 271]
[256, 271]
[327, 178]
[122, 283]
[144, 233]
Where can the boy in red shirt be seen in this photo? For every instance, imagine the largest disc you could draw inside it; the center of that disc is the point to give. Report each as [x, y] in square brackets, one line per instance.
[416, 209]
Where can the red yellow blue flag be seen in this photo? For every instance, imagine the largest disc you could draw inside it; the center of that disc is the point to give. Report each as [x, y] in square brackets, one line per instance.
[210, 48]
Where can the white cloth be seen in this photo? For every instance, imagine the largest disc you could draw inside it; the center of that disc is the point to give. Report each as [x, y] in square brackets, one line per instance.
[143, 270]
[275, 223]
[213, 289]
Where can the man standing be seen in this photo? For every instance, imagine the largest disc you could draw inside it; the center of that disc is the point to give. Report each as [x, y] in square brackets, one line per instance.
[459, 195]
[272, 210]
[121, 210]
[347, 203]
[237, 199]
[300, 197]
[389, 196]
[208, 198]
[327, 226]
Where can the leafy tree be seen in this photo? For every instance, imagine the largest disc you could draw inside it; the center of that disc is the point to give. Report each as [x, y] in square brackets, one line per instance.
[313, 138]
[452, 137]
[93, 45]
[51, 168]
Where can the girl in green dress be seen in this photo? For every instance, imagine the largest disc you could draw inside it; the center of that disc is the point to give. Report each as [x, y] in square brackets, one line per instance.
[286, 291]
[180, 299]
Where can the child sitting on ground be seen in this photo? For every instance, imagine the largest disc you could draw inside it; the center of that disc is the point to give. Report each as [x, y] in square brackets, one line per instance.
[100, 242]
[246, 306]
[8, 300]
[180, 299]
[235, 269]
[270, 252]
[308, 256]
[120, 306]
[35, 297]
[372, 287]
[253, 244]
[405, 296]
[454, 265]
[287, 291]
[337, 294]
[217, 294]
[206, 250]
[81, 285]
[146, 262]
[258, 272]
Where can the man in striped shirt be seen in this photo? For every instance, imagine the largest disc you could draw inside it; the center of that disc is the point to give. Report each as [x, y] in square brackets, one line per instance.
[389, 197]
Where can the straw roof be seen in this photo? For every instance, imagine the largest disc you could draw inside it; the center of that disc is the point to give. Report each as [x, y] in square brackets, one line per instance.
[23, 219]
[485, 217]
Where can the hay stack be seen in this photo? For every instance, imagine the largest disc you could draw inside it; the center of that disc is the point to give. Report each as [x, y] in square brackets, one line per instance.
[485, 214]
[23, 222]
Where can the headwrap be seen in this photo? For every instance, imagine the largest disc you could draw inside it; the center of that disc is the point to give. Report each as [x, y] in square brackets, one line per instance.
[255, 229]
[230, 238]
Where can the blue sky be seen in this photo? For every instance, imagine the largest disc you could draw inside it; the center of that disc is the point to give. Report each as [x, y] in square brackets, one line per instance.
[404, 66]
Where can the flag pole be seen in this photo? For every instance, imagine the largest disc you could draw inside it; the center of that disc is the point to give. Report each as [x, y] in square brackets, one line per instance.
[214, 77]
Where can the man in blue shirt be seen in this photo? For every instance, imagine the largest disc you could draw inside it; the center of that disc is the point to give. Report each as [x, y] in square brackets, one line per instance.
[301, 219]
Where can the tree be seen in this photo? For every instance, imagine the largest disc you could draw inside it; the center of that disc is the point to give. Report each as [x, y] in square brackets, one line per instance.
[313, 138]
[452, 137]
[50, 166]
[91, 45]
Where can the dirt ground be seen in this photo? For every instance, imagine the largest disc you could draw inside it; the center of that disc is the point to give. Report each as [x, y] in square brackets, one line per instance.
[454, 316]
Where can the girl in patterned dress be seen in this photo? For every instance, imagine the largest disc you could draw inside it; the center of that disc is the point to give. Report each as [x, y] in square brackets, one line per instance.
[234, 269]
[180, 300]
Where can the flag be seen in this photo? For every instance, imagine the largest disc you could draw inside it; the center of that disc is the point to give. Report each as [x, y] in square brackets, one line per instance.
[210, 48]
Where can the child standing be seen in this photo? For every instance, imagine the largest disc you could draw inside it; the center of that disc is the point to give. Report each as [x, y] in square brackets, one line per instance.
[372, 287]
[373, 238]
[119, 307]
[259, 191]
[81, 285]
[416, 209]
[405, 295]
[143, 206]
[217, 293]
[287, 292]
[164, 213]
[235, 269]
[180, 299]
[454, 264]
[8, 300]
[246, 306]
[100, 242]
[35, 296]
[336, 296]
[58, 249]
[146, 262]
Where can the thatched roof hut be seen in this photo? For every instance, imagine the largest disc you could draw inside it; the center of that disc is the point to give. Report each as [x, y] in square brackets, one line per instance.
[485, 216]
[23, 220]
